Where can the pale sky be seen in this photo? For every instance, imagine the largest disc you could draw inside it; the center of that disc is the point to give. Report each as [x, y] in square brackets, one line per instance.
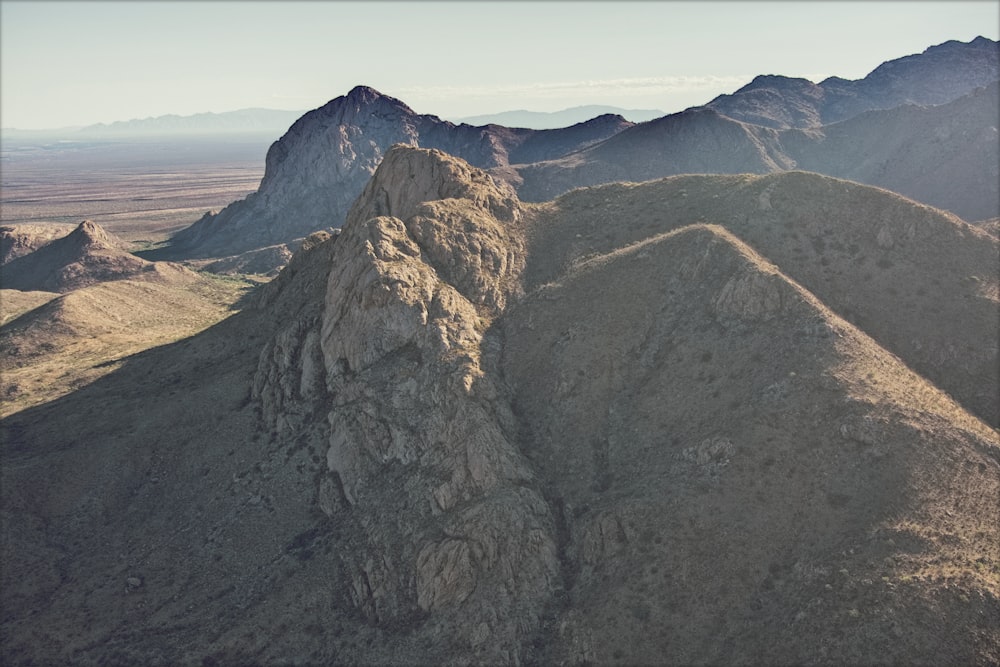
[78, 63]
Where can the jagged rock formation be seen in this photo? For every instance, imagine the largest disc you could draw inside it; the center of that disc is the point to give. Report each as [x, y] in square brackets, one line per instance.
[904, 149]
[317, 169]
[85, 256]
[939, 75]
[638, 424]
[397, 359]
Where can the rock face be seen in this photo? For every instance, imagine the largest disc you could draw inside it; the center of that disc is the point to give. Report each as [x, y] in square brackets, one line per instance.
[428, 257]
[85, 256]
[939, 75]
[319, 167]
[904, 149]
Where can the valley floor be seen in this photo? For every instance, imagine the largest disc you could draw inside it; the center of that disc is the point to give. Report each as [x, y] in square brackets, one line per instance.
[141, 191]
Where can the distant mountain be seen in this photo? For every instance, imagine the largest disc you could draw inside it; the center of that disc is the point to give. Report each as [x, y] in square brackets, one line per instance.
[905, 149]
[317, 169]
[938, 75]
[546, 120]
[242, 121]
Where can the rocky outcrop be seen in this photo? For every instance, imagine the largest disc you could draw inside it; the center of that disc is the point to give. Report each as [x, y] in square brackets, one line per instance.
[85, 256]
[420, 438]
[319, 167]
[939, 75]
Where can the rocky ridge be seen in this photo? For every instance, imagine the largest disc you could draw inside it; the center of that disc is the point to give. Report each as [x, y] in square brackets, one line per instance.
[466, 396]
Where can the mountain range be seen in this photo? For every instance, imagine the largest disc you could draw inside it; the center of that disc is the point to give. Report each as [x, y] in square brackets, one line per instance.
[320, 165]
[242, 121]
[496, 410]
[905, 149]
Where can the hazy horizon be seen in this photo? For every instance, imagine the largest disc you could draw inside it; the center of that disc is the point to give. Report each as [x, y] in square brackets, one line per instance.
[73, 64]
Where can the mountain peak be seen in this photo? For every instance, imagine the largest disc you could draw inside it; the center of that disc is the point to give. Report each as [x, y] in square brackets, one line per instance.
[359, 101]
[90, 235]
[364, 93]
[364, 96]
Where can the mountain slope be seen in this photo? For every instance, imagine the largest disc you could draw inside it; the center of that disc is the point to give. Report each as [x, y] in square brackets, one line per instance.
[904, 149]
[920, 282]
[907, 150]
[54, 344]
[694, 141]
[19, 240]
[729, 460]
[939, 75]
[467, 429]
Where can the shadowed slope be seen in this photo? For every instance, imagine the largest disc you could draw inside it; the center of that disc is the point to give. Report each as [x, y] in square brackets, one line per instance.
[19, 240]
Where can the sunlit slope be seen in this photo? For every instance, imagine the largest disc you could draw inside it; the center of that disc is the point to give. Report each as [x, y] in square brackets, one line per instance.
[919, 281]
